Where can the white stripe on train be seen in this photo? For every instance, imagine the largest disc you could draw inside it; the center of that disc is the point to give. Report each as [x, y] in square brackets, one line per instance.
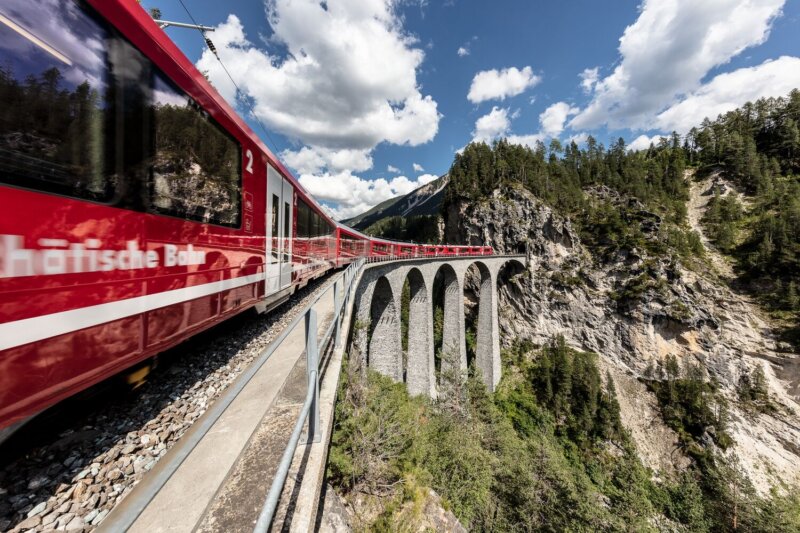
[19, 332]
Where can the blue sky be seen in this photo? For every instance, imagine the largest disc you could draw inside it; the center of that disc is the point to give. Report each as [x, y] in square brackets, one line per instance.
[367, 99]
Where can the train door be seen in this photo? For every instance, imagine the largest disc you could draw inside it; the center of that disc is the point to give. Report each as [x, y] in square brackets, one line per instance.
[279, 222]
[288, 233]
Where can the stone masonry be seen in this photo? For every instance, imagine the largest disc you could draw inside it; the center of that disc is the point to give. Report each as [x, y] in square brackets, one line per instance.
[378, 305]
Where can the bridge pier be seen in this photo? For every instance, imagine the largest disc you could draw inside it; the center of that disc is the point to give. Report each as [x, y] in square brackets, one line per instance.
[454, 342]
[420, 369]
[385, 348]
[487, 350]
[377, 335]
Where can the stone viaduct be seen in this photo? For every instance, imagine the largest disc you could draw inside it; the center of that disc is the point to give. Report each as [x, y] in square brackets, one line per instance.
[377, 331]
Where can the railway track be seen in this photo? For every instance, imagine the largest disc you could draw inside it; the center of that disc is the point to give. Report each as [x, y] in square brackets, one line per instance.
[67, 469]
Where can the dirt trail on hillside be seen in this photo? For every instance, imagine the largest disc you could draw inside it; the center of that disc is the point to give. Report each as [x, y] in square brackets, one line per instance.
[700, 194]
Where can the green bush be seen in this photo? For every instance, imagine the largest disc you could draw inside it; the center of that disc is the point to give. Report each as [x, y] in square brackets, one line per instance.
[546, 452]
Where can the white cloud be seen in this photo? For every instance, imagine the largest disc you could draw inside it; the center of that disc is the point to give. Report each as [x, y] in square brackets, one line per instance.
[465, 49]
[643, 142]
[311, 159]
[589, 78]
[578, 138]
[352, 195]
[349, 80]
[553, 118]
[497, 124]
[730, 90]
[668, 51]
[500, 84]
[346, 83]
[426, 178]
[392, 169]
[526, 140]
[491, 126]
[418, 168]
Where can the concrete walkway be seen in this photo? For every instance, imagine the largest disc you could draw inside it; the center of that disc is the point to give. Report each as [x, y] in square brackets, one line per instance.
[223, 482]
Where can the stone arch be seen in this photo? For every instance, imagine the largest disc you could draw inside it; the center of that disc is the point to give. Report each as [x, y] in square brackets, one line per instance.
[419, 370]
[384, 353]
[487, 345]
[507, 271]
[509, 268]
[514, 283]
[517, 263]
[453, 344]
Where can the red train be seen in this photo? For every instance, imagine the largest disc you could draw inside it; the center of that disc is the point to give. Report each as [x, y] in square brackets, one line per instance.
[136, 207]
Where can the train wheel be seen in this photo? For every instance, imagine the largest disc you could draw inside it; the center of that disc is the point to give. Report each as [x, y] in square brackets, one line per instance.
[137, 376]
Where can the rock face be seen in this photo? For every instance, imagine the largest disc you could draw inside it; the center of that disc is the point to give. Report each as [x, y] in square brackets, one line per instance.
[336, 517]
[426, 514]
[686, 313]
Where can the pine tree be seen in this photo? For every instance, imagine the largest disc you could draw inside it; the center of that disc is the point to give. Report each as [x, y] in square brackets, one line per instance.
[759, 385]
[673, 370]
[792, 299]
[608, 415]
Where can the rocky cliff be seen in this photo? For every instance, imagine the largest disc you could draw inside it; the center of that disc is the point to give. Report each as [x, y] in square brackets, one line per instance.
[604, 306]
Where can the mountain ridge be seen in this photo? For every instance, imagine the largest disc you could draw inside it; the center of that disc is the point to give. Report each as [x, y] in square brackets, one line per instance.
[424, 200]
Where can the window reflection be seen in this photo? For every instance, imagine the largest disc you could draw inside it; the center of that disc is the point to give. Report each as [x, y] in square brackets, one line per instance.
[276, 202]
[53, 85]
[87, 115]
[196, 167]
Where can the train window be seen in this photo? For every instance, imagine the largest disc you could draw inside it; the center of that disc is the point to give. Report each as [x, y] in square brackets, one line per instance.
[303, 213]
[324, 228]
[54, 85]
[315, 225]
[196, 171]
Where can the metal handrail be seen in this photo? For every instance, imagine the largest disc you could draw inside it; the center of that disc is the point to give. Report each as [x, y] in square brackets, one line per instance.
[383, 258]
[268, 512]
[310, 409]
[311, 404]
[150, 485]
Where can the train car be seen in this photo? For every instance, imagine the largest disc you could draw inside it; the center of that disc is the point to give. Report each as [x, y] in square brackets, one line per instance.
[406, 250]
[380, 249]
[136, 207]
[352, 245]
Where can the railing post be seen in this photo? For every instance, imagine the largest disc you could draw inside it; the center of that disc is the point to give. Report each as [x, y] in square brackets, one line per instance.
[338, 311]
[312, 368]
